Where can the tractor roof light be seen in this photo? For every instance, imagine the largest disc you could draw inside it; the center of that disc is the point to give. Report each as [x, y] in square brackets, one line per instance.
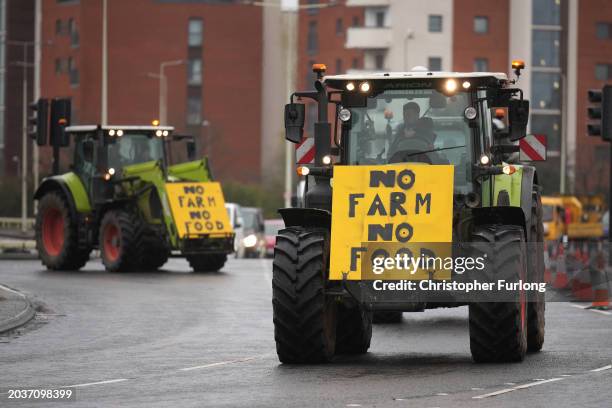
[155, 122]
[111, 171]
[111, 132]
[303, 171]
[350, 86]
[159, 133]
[517, 66]
[450, 86]
[466, 84]
[120, 133]
[165, 133]
[364, 87]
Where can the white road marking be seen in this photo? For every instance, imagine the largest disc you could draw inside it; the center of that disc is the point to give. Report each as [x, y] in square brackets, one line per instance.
[441, 394]
[97, 383]
[603, 312]
[477, 389]
[565, 375]
[353, 405]
[217, 364]
[518, 387]
[509, 383]
[604, 368]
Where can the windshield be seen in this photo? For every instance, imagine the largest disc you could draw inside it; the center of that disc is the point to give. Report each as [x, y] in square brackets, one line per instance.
[419, 125]
[134, 148]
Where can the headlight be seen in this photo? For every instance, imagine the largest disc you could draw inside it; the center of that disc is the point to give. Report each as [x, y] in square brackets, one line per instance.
[250, 241]
[364, 87]
[450, 86]
[344, 115]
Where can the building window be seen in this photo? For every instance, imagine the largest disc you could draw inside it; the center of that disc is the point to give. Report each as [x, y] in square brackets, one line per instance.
[313, 10]
[549, 125]
[312, 45]
[603, 72]
[434, 63]
[73, 72]
[481, 65]
[546, 12]
[339, 66]
[194, 110]
[379, 61]
[546, 90]
[546, 45]
[59, 27]
[380, 18]
[604, 31]
[195, 32]
[74, 33]
[355, 63]
[481, 24]
[435, 23]
[355, 22]
[61, 66]
[339, 27]
[194, 72]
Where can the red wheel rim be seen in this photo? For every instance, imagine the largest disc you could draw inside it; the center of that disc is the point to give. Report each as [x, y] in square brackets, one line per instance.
[111, 239]
[53, 231]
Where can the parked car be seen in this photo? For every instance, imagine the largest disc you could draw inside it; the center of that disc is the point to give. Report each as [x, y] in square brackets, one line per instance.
[253, 243]
[234, 211]
[271, 230]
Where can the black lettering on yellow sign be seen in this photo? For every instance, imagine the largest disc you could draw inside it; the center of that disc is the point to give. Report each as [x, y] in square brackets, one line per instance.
[391, 205]
[199, 220]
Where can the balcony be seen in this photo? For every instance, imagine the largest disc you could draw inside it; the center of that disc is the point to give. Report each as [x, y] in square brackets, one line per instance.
[368, 37]
[367, 3]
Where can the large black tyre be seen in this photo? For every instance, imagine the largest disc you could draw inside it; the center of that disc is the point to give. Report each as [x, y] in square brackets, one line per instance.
[155, 251]
[386, 317]
[498, 330]
[353, 330]
[206, 262]
[121, 240]
[536, 306]
[56, 234]
[304, 317]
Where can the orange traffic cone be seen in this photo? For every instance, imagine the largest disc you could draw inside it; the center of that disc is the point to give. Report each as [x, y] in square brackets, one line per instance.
[601, 292]
[561, 280]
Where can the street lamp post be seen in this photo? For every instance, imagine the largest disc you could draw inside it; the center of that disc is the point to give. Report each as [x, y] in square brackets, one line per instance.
[163, 89]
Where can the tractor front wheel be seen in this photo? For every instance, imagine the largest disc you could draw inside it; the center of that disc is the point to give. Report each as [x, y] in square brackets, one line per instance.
[206, 262]
[498, 330]
[56, 234]
[536, 306]
[121, 240]
[304, 317]
[353, 330]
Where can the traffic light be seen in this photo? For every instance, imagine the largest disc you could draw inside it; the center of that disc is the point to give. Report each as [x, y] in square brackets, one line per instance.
[60, 118]
[600, 113]
[39, 121]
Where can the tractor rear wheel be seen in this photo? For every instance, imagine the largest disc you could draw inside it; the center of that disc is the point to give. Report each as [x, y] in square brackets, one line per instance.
[206, 262]
[304, 317]
[56, 234]
[388, 317]
[353, 330]
[121, 240]
[498, 330]
[537, 303]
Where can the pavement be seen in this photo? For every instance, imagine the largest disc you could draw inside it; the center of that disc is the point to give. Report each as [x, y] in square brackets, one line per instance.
[15, 309]
[181, 339]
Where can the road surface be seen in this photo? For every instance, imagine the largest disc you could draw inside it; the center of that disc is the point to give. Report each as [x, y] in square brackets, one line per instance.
[175, 338]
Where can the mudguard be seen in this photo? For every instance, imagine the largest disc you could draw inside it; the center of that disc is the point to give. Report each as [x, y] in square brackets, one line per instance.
[71, 185]
[306, 217]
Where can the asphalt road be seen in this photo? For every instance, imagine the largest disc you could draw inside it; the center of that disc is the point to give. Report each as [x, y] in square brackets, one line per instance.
[175, 338]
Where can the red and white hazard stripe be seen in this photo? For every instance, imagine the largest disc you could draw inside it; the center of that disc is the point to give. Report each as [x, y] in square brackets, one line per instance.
[532, 148]
[305, 151]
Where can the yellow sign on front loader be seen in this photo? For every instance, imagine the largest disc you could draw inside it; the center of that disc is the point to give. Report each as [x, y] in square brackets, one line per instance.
[389, 208]
[198, 209]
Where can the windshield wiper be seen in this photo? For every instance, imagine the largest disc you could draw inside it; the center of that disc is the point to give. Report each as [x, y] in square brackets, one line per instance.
[433, 150]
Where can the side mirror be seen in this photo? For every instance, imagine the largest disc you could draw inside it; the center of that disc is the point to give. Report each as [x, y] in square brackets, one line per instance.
[518, 115]
[191, 150]
[294, 122]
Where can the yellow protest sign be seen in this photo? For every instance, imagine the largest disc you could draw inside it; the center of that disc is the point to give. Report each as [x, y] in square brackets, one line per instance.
[391, 205]
[198, 209]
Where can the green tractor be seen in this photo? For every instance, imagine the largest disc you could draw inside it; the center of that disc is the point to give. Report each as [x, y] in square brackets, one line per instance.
[411, 161]
[125, 199]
